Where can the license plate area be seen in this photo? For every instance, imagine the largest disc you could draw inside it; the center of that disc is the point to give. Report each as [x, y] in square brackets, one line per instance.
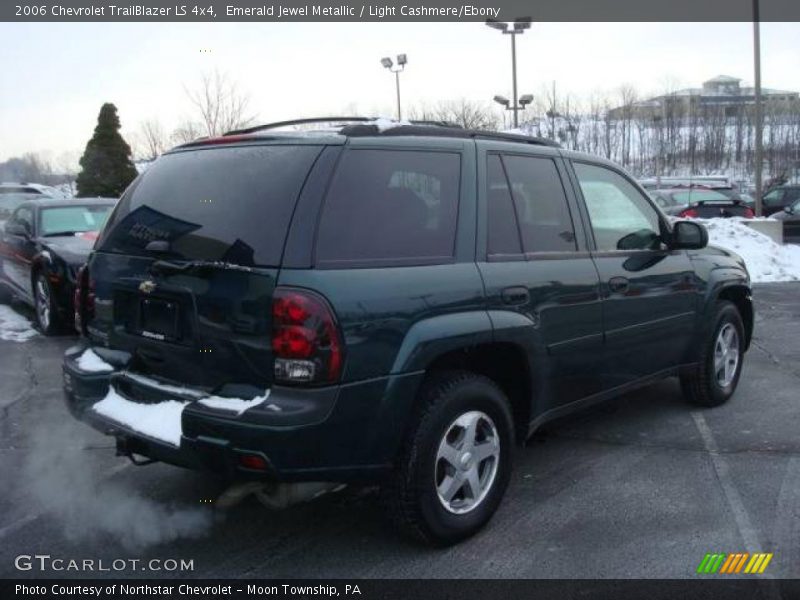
[159, 319]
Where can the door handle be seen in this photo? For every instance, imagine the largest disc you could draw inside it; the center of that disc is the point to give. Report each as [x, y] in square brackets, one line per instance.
[618, 285]
[515, 295]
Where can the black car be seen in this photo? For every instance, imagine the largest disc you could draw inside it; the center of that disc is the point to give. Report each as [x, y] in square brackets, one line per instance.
[42, 245]
[395, 305]
[779, 198]
[701, 203]
[791, 222]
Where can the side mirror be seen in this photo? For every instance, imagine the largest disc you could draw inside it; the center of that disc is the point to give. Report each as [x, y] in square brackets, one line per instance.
[16, 228]
[788, 210]
[688, 235]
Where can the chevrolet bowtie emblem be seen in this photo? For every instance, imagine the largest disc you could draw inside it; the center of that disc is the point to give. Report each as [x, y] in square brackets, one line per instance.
[147, 286]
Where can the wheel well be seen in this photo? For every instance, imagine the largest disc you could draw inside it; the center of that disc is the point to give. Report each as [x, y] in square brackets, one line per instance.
[503, 363]
[740, 296]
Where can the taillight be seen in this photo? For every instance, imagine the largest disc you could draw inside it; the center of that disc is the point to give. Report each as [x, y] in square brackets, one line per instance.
[689, 213]
[306, 343]
[83, 298]
[748, 213]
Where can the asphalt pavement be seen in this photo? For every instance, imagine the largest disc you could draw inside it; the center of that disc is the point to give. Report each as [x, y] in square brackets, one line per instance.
[642, 486]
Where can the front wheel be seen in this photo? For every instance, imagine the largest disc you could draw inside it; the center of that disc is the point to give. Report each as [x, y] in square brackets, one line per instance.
[44, 303]
[456, 463]
[714, 379]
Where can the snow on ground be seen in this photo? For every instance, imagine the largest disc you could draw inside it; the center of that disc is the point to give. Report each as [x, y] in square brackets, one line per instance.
[13, 326]
[766, 261]
[89, 362]
[161, 421]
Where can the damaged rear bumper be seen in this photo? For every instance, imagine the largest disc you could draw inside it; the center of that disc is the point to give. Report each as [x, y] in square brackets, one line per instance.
[349, 432]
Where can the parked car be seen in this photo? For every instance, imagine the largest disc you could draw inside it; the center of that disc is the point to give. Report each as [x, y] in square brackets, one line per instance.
[779, 198]
[398, 305]
[30, 188]
[42, 245]
[700, 203]
[791, 222]
[654, 183]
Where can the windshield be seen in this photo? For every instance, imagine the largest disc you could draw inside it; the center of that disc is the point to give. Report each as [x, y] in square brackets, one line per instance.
[229, 204]
[697, 196]
[69, 220]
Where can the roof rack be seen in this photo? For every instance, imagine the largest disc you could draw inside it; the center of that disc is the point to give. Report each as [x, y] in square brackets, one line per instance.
[277, 124]
[363, 126]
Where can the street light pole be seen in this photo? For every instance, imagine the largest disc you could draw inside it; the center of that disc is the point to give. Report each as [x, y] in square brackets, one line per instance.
[519, 27]
[759, 160]
[402, 61]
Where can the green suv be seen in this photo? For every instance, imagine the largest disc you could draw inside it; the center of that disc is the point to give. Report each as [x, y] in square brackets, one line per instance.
[393, 304]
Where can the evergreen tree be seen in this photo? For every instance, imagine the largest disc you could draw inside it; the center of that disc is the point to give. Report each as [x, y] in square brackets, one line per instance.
[106, 166]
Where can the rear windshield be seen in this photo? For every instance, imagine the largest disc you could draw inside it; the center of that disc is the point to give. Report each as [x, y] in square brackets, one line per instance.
[230, 204]
[698, 196]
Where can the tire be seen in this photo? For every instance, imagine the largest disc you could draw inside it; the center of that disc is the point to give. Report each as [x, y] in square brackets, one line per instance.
[47, 318]
[450, 406]
[715, 377]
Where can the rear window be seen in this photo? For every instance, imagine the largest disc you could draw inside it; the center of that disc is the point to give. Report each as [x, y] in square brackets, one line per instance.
[698, 196]
[230, 204]
[390, 207]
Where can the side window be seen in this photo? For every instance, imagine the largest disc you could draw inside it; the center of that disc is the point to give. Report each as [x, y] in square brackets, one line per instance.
[621, 217]
[541, 204]
[773, 198]
[391, 205]
[503, 233]
[24, 216]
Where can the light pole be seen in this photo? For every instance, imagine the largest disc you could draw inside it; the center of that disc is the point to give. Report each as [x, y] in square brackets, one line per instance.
[519, 105]
[402, 60]
[519, 27]
[759, 113]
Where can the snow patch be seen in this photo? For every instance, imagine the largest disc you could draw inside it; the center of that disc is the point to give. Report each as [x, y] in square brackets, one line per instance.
[384, 123]
[89, 362]
[161, 421]
[236, 405]
[766, 261]
[14, 327]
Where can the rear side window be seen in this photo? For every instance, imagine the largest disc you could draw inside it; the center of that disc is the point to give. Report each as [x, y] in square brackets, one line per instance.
[503, 234]
[230, 204]
[541, 204]
[390, 207]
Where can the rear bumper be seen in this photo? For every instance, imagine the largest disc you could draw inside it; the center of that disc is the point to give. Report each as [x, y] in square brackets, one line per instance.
[340, 433]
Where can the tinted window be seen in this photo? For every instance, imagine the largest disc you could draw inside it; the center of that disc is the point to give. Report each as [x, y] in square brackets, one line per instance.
[503, 233]
[774, 198]
[72, 219]
[228, 204]
[386, 205]
[621, 217]
[541, 204]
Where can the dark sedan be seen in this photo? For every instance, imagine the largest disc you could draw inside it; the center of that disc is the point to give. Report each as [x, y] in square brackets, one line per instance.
[779, 198]
[42, 245]
[791, 222]
[700, 203]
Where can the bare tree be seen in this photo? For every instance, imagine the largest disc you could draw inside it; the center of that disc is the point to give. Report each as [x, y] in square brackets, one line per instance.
[221, 105]
[153, 139]
[463, 112]
[187, 131]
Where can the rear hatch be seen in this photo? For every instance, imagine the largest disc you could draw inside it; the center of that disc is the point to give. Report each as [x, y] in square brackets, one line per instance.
[184, 272]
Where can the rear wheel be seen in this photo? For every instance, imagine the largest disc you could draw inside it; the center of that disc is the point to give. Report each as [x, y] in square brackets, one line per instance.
[455, 465]
[46, 314]
[714, 379]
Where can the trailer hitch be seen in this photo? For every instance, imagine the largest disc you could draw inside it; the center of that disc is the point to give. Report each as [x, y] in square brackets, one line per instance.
[124, 449]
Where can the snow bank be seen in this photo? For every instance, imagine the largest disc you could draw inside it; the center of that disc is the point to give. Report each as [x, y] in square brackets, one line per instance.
[14, 327]
[766, 261]
[89, 362]
[236, 405]
[161, 421]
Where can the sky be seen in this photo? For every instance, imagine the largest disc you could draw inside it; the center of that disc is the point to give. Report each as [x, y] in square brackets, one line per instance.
[57, 75]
